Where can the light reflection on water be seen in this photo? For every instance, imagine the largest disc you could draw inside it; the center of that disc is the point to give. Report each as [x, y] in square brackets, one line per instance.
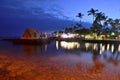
[113, 48]
[105, 53]
[111, 51]
[89, 57]
[77, 48]
[69, 45]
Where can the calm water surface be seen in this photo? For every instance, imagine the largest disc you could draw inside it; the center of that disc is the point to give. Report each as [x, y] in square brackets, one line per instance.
[60, 61]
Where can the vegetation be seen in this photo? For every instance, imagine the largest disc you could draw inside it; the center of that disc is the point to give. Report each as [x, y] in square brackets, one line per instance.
[92, 12]
[102, 25]
[80, 15]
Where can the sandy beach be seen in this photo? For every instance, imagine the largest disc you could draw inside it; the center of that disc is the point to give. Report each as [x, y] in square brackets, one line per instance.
[53, 68]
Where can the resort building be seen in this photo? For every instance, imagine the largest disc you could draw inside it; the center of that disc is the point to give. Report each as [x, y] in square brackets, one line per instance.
[31, 34]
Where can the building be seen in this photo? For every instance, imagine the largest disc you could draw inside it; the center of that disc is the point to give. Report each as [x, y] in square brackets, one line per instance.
[31, 34]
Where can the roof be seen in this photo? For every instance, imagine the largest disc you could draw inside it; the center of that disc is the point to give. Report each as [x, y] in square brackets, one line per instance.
[31, 31]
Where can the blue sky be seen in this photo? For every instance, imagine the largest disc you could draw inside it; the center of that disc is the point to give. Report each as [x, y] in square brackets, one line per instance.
[49, 15]
[72, 7]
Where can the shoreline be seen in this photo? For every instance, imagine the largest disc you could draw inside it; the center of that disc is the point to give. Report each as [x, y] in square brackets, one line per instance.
[102, 41]
[51, 39]
[29, 41]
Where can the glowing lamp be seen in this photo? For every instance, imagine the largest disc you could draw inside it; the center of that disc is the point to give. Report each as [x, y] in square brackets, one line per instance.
[112, 34]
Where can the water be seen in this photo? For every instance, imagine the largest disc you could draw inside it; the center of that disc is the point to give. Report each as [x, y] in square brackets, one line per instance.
[60, 61]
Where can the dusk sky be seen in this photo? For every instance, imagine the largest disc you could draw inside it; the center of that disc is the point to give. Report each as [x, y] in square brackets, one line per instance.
[49, 15]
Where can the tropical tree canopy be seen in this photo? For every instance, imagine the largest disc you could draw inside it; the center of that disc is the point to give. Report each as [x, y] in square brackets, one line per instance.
[101, 24]
[92, 12]
[83, 31]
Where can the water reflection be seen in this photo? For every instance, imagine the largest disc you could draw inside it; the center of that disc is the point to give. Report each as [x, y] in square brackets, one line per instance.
[119, 48]
[106, 52]
[57, 45]
[31, 50]
[99, 47]
[69, 45]
[99, 51]
[87, 45]
[74, 60]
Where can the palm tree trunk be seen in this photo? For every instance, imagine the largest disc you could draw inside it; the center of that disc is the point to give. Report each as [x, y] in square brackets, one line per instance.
[93, 18]
[80, 21]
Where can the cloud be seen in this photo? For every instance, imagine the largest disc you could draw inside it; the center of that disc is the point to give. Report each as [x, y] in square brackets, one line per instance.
[33, 8]
[45, 15]
[16, 15]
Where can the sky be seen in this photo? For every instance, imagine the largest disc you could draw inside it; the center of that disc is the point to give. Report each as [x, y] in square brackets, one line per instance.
[49, 15]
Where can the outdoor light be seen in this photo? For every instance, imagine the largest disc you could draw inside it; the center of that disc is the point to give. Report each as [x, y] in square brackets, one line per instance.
[112, 34]
[64, 36]
[67, 35]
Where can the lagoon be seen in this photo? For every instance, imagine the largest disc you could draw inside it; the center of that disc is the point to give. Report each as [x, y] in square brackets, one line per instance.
[60, 60]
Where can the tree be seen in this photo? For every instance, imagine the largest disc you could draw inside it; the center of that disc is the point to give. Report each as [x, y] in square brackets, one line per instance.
[69, 30]
[83, 31]
[80, 15]
[92, 12]
[110, 20]
[100, 17]
[117, 24]
[97, 25]
[79, 26]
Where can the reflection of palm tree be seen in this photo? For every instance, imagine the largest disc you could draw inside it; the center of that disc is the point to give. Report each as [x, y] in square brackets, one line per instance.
[92, 12]
[113, 58]
[113, 55]
[98, 65]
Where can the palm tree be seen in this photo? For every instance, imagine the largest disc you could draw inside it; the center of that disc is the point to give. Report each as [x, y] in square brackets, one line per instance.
[97, 24]
[104, 18]
[80, 15]
[117, 23]
[79, 26]
[115, 26]
[105, 23]
[110, 20]
[100, 16]
[92, 12]
[112, 23]
[83, 31]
